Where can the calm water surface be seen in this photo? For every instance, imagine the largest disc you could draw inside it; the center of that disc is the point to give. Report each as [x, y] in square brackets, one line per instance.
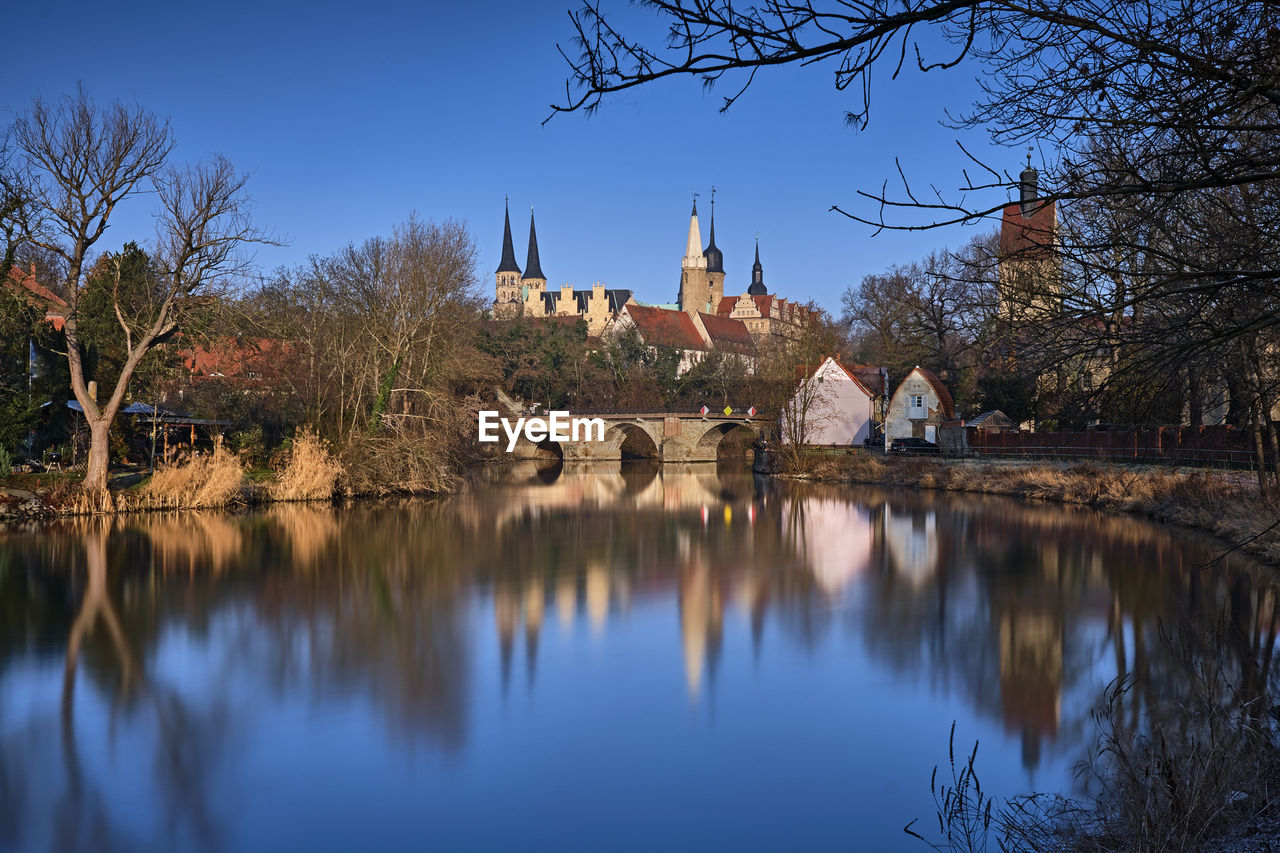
[605, 659]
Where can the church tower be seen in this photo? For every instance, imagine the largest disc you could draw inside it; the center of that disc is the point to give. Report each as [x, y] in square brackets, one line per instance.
[695, 286]
[757, 288]
[507, 277]
[715, 264]
[1030, 273]
[533, 283]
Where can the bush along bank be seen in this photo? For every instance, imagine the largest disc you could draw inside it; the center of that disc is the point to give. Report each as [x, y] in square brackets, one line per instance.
[1226, 504]
[310, 471]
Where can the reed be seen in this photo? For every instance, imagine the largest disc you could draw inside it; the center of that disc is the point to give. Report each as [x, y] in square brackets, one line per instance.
[311, 472]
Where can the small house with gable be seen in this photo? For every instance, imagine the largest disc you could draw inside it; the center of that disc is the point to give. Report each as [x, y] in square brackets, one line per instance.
[918, 406]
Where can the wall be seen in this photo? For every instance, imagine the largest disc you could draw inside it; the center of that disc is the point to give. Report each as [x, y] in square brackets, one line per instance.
[897, 424]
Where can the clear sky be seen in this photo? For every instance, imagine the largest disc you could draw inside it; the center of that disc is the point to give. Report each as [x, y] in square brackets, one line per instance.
[350, 116]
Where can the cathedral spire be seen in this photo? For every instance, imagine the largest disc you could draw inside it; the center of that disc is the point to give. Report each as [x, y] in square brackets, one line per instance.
[693, 249]
[532, 268]
[757, 287]
[715, 258]
[508, 263]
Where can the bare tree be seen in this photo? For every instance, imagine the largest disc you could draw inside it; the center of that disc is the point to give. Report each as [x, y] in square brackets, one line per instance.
[79, 162]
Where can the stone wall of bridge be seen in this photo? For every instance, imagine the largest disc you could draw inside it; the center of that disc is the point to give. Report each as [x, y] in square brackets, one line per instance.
[670, 438]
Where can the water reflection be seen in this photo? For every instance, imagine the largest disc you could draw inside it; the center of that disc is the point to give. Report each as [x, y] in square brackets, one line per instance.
[205, 664]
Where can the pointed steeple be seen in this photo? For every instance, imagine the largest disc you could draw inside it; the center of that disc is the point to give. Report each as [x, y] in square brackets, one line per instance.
[532, 268]
[715, 258]
[508, 263]
[693, 248]
[757, 287]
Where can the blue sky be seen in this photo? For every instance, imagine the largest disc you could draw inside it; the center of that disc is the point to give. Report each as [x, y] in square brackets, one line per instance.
[350, 116]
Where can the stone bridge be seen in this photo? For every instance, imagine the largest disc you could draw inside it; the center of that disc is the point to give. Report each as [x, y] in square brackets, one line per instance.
[668, 436]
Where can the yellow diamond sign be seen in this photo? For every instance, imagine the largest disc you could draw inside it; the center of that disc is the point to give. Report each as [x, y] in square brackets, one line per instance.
[728, 410]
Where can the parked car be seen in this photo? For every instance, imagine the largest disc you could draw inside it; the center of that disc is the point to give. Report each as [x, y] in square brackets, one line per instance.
[913, 445]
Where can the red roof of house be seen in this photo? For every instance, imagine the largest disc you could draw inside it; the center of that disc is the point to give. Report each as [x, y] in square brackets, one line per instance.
[663, 327]
[872, 377]
[37, 294]
[764, 304]
[728, 334]
[1028, 236]
[238, 357]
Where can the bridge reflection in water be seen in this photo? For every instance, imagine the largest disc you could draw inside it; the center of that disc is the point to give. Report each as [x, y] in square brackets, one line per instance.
[831, 632]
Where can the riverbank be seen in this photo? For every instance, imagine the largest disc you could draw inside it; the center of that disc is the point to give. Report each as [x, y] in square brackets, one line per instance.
[219, 480]
[1225, 503]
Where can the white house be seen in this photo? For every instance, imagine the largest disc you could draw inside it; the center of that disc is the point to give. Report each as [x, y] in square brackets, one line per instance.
[832, 406]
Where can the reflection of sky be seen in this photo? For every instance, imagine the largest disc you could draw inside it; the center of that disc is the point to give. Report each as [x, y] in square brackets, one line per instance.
[782, 676]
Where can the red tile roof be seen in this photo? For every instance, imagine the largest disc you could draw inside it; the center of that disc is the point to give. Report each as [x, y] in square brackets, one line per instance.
[662, 327]
[38, 295]
[1031, 236]
[238, 357]
[872, 377]
[728, 334]
[764, 304]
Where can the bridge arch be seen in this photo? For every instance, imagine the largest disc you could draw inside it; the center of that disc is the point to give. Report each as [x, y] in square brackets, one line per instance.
[709, 444]
[630, 441]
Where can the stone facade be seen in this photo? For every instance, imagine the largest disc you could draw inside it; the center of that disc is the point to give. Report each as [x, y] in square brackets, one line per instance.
[918, 407]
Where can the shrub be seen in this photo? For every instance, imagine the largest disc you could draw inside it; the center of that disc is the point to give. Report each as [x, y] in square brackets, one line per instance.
[311, 472]
[6, 463]
[211, 480]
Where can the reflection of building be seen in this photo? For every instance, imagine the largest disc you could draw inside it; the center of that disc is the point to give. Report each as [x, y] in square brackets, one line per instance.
[701, 624]
[912, 542]
[833, 538]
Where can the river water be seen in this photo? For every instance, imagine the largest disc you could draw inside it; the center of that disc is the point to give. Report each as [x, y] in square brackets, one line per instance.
[613, 658]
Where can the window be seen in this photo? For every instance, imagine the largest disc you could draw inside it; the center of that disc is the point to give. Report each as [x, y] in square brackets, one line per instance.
[917, 401]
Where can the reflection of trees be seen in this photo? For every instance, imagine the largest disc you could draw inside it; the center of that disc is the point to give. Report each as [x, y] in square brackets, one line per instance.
[1022, 611]
[1028, 611]
[68, 801]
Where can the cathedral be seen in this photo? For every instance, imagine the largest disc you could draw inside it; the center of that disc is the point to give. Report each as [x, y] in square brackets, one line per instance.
[525, 293]
[702, 290]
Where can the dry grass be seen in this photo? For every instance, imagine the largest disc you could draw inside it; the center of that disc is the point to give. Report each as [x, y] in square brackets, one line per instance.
[213, 480]
[311, 472]
[1222, 503]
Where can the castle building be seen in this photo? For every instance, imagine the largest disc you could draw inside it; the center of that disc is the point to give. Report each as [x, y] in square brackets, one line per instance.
[526, 294]
[701, 294]
[702, 289]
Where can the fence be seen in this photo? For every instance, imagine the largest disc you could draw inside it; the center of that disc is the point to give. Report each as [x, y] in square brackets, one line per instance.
[1219, 446]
